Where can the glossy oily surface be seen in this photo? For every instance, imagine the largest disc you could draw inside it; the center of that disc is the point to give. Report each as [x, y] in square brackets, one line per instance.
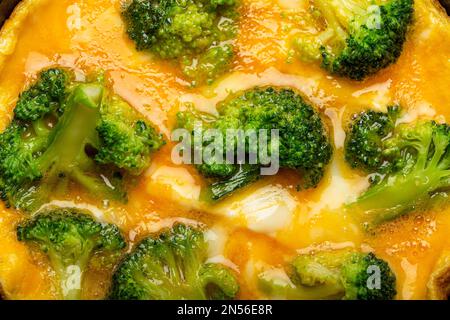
[269, 221]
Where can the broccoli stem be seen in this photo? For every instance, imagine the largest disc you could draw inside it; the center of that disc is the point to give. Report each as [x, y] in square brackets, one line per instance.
[340, 19]
[70, 282]
[96, 185]
[245, 175]
[37, 138]
[70, 271]
[75, 129]
[340, 15]
[333, 23]
[175, 283]
[398, 195]
[40, 127]
[65, 159]
[36, 144]
[284, 288]
[217, 282]
[414, 185]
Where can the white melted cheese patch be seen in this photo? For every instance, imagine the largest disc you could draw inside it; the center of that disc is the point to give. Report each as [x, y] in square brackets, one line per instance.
[217, 237]
[341, 190]
[74, 17]
[339, 135]
[73, 281]
[410, 282]
[266, 210]
[422, 110]
[378, 94]
[179, 181]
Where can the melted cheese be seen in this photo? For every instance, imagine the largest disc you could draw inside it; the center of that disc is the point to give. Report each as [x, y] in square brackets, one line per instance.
[178, 180]
[268, 222]
[269, 209]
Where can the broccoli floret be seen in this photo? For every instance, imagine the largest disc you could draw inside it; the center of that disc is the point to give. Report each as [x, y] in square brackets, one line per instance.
[127, 141]
[340, 274]
[70, 239]
[422, 176]
[214, 62]
[365, 138]
[360, 37]
[40, 159]
[193, 32]
[303, 143]
[172, 266]
[44, 96]
[417, 171]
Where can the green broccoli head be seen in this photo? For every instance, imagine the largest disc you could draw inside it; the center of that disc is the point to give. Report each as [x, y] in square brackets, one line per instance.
[44, 96]
[42, 158]
[360, 274]
[190, 31]
[342, 274]
[70, 238]
[127, 141]
[360, 38]
[302, 143]
[364, 144]
[417, 174]
[214, 62]
[172, 266]
[17, 161]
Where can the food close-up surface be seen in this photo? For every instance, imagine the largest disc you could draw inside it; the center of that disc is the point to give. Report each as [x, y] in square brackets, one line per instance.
[122, 123]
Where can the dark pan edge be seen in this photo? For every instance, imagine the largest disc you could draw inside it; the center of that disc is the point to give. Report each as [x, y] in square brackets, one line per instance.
[6, 8]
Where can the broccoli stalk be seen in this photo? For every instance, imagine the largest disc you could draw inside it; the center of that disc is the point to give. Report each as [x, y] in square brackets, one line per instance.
[360, 38]
[62, 157]
[243, 176]
[332, 275]
[70, 239]
[422, 149]
[302, 143]
[172, 265]
[84, 137]
[284, 288]
[66, 157]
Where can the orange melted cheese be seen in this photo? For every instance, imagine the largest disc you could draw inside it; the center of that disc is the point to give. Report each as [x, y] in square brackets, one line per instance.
[88, 35]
